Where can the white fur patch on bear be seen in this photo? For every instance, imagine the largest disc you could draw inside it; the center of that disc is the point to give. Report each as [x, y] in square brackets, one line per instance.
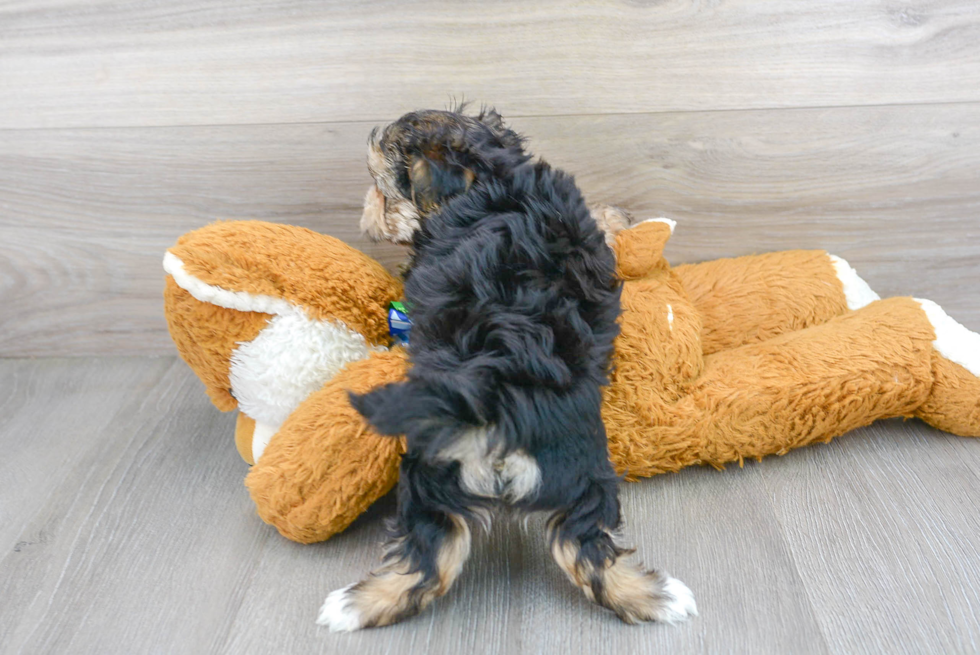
[261, 437]
[857, 292]
[953, 341]
[291, 357]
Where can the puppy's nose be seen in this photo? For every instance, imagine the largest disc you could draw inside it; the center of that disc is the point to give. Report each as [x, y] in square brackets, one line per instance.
[373, 216]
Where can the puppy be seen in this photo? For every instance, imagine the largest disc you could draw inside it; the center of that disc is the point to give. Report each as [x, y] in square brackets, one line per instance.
[514, 301]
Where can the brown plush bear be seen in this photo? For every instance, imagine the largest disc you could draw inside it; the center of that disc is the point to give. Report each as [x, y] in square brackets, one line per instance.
[716, 362]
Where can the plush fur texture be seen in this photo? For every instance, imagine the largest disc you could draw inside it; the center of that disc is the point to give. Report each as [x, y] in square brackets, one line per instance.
[290, 359]
[288, 313]
[272, 373]
[763, 356]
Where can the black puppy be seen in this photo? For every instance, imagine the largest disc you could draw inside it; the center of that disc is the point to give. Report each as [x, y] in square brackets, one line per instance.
[514, 300]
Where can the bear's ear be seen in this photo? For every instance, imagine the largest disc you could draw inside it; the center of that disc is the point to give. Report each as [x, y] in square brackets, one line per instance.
[434, 178]
[640, 249]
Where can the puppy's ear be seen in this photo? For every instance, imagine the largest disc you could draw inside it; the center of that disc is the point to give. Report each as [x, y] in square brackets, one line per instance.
[489, 117]
[508, 137]
[435, 180]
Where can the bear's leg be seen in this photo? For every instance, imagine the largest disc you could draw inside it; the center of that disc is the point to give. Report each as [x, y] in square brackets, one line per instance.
[805, 387]
[324, 466]
[953, 404]
[755, 298]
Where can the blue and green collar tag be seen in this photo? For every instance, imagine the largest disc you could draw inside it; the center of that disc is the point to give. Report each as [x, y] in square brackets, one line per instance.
[399, 324]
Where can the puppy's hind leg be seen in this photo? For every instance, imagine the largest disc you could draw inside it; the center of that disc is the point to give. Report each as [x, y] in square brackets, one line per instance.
[584, 549]
[425, 554]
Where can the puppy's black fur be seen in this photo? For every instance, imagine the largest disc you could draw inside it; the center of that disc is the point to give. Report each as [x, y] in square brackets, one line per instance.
[514, 301]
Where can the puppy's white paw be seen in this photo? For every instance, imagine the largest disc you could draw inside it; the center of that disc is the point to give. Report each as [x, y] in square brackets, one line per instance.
[679, 602]
[338, 612]
[637, 595]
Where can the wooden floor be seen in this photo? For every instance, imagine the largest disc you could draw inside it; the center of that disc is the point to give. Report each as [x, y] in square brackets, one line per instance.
[849, 125]
[126, 529]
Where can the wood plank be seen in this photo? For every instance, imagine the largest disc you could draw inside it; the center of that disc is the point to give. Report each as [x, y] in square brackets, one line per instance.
[86, 214]
[144, 539]
[40, 400]
[80, 63]
[883, 528]
[895, 191]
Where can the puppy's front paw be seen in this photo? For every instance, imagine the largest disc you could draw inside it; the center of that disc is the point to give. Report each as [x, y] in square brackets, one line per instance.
[338, 612]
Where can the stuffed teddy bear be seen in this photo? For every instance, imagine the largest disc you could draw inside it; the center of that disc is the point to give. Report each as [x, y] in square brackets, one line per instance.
[716, 362]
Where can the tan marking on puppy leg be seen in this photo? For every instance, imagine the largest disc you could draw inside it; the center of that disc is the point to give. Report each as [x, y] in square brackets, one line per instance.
[639, 595]
[453, 554]
[483, 472]
[633, 593]
[394, 592]
[520, 476]
[385, 597]
[476, 473]
[566, 555]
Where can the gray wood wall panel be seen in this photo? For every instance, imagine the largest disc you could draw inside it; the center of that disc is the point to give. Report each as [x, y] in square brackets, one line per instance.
[86, 214]
[82, 63]
[134, 534]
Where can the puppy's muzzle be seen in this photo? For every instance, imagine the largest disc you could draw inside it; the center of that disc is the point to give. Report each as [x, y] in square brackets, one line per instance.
[373, 218]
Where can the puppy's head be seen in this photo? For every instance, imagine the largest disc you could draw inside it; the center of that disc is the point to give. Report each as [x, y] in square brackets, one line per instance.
[426, 158]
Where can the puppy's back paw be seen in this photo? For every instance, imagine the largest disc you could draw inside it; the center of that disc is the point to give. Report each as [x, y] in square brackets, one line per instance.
[679, 605]
[338, 612]
[636, 595]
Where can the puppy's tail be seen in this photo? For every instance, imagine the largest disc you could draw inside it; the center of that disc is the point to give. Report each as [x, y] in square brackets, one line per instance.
[429, 414]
